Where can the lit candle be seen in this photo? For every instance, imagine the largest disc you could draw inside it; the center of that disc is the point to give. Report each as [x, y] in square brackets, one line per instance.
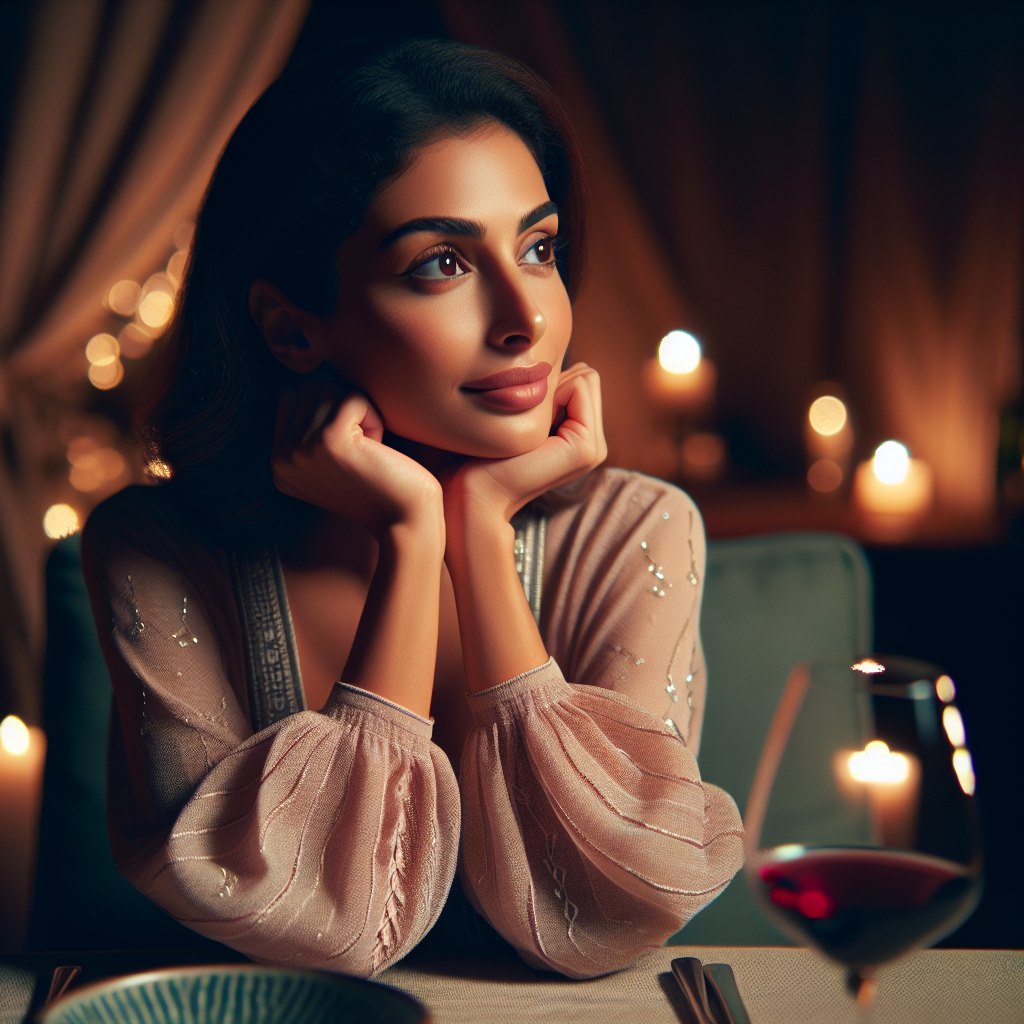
[892, 785]
[679, 378]
[22, 752]
[893, 484]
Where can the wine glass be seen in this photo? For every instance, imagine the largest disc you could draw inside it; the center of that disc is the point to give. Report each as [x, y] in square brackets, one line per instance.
[862, 833]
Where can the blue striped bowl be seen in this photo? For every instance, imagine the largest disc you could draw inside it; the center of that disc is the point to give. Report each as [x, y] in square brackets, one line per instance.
[235, 994]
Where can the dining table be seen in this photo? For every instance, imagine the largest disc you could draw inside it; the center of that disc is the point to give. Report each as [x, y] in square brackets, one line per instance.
[778, 984]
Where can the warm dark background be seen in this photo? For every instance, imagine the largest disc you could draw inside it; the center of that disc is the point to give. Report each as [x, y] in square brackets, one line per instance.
[819, 191]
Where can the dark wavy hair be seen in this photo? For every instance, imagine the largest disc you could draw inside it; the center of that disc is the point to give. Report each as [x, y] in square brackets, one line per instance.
[294, 181]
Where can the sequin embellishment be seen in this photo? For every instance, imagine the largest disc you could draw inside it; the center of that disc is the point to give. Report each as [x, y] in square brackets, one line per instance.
[183, 630]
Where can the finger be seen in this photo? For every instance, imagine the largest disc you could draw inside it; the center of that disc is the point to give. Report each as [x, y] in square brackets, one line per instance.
[593, 380]
[372, 423]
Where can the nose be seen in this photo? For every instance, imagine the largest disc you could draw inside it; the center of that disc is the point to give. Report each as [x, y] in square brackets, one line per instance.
[517, 323]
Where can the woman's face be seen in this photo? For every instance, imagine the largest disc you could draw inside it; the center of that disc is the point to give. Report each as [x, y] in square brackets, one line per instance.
[451, 281]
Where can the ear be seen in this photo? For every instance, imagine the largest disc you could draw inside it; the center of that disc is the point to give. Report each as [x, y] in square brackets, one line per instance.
[290, 332]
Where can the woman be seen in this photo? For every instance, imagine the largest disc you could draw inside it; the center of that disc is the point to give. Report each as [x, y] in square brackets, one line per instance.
[363, 392]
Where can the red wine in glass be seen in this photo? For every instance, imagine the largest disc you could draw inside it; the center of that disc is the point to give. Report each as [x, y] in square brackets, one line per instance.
[864, 906]
[862, 837]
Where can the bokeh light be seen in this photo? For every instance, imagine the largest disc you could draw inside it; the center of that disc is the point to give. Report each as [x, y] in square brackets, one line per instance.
[123, 298]
[176, 267]
[954, 726]
[102, 350]
[963, 765]
[679, 352]
[824, 476]
[60, 521]
[135, 341]
[945, 689]
[155, 309]
[106, 376]
[92, 466]
[891, 462]
[827, 415]
[14, 736]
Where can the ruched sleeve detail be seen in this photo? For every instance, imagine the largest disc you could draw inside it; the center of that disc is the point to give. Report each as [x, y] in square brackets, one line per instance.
[588, 833]
[328, 840]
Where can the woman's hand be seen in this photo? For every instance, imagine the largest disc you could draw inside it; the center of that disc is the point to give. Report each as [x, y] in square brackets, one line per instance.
[328, 452]
[500, 639]
[344, 468]
[500, 487]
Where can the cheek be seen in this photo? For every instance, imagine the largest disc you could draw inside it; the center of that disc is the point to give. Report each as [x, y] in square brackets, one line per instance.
[559, 317]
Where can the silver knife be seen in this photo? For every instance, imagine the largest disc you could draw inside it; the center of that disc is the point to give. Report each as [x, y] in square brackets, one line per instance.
[721, 983]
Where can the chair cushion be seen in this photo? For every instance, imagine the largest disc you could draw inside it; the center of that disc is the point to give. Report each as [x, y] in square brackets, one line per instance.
[81, 902]
[769, 602]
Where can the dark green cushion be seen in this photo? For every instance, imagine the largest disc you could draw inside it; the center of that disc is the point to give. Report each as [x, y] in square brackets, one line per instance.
[81, 902]
[769, 602]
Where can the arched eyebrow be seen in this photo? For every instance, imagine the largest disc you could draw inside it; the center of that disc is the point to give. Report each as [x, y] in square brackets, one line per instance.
[463, 228]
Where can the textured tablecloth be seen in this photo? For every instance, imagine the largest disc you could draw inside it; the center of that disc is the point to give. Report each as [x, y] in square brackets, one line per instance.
[779, 985]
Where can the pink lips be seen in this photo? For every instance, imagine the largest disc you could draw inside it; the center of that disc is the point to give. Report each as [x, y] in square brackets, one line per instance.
[516, 389]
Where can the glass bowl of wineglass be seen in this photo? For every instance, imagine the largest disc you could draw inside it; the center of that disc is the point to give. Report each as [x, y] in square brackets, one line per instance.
[862, 833]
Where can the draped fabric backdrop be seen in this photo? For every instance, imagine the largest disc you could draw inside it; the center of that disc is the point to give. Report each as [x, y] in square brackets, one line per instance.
[121, 112]
[818, 191]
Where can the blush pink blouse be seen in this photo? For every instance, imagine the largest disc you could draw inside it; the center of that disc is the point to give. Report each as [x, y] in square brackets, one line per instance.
[580, 825]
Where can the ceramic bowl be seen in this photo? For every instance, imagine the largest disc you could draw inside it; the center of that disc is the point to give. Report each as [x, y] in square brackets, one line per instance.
[235, 994]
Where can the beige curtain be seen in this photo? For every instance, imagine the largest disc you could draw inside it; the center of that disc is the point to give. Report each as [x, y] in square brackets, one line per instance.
[934, 344]
[122, 111]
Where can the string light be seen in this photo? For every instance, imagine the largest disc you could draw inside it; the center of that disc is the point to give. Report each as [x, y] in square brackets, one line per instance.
[135, 341]
[102, 350]
[106, 376]
[60, 521]
[827, 415]
[93, 466]
[176, 267]
[123, 297]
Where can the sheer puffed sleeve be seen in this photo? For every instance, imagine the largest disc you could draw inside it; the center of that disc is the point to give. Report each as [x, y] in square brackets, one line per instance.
[327, 840]
[588, 834]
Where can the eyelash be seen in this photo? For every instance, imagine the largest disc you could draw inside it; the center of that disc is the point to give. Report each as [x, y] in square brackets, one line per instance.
[444, 248]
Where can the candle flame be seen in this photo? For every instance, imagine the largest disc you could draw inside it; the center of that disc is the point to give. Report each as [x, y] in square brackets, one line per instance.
[891, 462]
[876, 763]
[14, 735]
[679, 352]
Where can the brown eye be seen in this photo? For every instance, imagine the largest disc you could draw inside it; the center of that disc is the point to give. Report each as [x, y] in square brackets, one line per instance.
[442, 267]
[541, 252]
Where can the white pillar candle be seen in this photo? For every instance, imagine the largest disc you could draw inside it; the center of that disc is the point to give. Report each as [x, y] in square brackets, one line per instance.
[22, 753]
